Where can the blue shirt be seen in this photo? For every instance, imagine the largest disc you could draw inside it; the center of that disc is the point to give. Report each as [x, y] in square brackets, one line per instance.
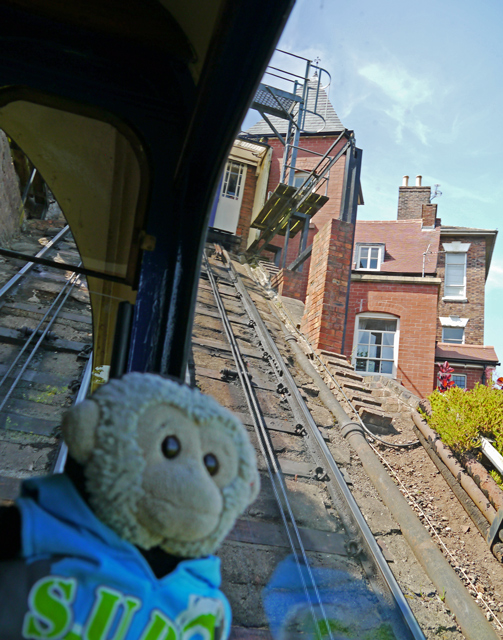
[97, 586]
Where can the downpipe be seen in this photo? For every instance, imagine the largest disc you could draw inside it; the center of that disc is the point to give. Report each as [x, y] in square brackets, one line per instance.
[468, 615]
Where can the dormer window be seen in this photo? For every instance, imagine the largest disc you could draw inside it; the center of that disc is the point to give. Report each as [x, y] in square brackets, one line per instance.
[369, 256]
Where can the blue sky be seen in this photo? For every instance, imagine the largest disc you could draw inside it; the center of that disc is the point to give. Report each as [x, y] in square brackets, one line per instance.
[420, 84]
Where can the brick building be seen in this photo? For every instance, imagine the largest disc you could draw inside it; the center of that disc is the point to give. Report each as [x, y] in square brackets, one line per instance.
[417, 296]
[254, 179]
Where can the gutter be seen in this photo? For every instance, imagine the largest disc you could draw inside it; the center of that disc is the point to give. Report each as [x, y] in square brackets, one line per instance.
[468, 615]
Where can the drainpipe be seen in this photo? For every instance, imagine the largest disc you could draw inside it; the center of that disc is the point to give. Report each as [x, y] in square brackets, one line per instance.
[468, 615]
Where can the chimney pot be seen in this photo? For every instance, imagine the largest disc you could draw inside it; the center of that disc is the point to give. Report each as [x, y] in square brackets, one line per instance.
[405, 181]
[418, 180]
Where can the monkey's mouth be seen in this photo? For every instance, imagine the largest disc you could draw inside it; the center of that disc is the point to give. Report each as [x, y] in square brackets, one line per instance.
[168, 519]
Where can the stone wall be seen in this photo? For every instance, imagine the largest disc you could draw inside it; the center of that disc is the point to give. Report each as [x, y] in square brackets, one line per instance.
[10, 197]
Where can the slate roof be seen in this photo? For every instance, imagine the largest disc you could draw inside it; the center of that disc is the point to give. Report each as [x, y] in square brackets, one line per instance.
[475, 353]
[313, 123]
[405, 242]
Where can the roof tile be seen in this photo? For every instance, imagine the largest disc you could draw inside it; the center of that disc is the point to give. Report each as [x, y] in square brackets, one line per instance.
[469, 352]
[405, 243]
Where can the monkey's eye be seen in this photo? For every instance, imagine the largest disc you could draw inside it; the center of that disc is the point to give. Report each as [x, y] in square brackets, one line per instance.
[171, 447]
[211, 463]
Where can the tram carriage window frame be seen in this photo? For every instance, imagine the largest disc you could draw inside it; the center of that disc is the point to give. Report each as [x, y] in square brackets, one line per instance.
[45, 152]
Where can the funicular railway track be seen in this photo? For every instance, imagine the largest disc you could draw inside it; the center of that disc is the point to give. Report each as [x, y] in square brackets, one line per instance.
[333, 563]
[45, 340]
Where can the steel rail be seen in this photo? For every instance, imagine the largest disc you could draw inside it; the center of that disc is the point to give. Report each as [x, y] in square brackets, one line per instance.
[273, 469]
[69, 284]
[332, 467]
[59, 464]
[29, 265]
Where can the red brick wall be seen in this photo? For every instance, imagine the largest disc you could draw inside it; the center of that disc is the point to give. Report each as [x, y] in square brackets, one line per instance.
[475, 285]
[245, 212]
[291, 284]
[325, 310]
[429, 215]
[416, 307]
[306, 162]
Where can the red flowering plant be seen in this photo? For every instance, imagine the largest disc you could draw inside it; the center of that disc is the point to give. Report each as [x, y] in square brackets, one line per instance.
[445, 381]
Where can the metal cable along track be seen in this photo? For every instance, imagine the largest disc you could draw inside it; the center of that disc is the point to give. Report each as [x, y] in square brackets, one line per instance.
[274, 472]
[354, 522]
[49, 316]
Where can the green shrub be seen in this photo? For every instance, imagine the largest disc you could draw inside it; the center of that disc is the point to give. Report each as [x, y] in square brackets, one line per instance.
[461, 417]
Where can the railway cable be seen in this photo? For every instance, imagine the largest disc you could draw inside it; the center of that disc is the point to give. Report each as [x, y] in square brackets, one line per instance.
[324, 454]
[53, 309]
[332, 471]
[273, 469]
[29, 265]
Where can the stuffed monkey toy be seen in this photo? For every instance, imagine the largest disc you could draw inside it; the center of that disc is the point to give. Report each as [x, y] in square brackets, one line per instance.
[119, 547]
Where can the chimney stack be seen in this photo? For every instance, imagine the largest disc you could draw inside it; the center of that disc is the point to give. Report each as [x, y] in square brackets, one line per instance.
[412, 199]
[429, 215]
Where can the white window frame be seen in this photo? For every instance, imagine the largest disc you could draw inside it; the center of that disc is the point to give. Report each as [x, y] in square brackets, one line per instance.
[459, 375]
[384, 316]
[460, 250]
[368, 246]
[462, 341]
[239, 182]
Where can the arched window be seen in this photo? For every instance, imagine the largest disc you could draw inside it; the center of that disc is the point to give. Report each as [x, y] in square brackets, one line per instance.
[376, 344]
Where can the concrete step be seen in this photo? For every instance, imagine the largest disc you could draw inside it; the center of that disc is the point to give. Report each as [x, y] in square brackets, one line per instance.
[348, 373]
[270, 267]
[364, 400]
[329, 357]
[374, 418]
[355, 386]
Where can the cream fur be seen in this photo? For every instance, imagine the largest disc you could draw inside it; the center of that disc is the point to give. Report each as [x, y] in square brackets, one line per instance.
[115, 467]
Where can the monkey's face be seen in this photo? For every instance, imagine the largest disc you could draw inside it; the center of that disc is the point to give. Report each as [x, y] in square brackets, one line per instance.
[187, 467]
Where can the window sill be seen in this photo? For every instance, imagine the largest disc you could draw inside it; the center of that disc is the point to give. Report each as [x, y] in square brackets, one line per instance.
[372, 373]
[453, 299]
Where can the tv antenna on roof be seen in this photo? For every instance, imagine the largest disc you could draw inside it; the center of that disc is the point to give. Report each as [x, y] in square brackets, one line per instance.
[436, 192]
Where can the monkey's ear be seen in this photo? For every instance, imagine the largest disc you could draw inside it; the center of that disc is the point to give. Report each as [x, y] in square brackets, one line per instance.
[79, 429]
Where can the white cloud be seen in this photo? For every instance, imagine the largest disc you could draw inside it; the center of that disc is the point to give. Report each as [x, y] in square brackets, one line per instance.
[450, 190]
[495, 278]
[404, 93]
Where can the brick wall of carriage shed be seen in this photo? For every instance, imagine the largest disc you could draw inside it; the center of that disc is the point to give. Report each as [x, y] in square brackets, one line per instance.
[416, 307]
